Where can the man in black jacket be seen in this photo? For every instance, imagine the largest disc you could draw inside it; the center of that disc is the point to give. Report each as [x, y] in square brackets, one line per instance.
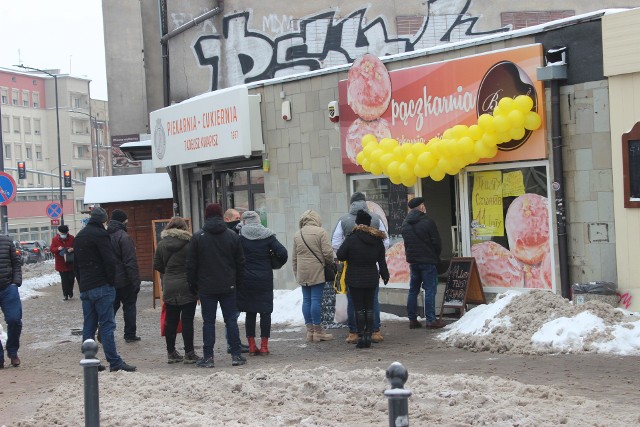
[127, 281]
[422, 248]
[94, 266]
[215, 268]
[10, 281]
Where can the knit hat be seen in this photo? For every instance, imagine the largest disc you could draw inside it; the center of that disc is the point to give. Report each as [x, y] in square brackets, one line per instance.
[251, 217]
[99, 215]
[415, 202]
[358, 196]
[118, 215]
[213, 209]
[63, 229]
[363, 218]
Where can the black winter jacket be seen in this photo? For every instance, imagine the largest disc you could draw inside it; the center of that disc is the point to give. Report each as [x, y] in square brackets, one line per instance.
[363, 249]
[256, 293]
[215, 263]
[422, 243]
[94, 261]
[10, 264]
[127, 274]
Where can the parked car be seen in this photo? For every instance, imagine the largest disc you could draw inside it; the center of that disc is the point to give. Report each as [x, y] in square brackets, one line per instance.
[47, 250]
[21, 251]
[35, 251]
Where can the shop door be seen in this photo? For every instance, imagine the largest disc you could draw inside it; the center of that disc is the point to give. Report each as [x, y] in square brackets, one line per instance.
[441, 202]
[242, 190]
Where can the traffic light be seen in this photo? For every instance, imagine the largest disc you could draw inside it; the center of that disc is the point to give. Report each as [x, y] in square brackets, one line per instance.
[67, 178]
[22, 170]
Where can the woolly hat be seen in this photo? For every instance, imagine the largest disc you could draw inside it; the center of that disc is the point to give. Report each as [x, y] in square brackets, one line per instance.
[63, 229]
[251, 217]
[118, 215]
[415, 202]
[99, 215]
[358, 196]
[213, 209]
[363, 218]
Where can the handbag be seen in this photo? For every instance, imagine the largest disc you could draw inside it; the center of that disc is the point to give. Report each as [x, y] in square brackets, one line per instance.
[163, 321]
[68, 257]
[276, 264]
[329, 269]
[339, 282]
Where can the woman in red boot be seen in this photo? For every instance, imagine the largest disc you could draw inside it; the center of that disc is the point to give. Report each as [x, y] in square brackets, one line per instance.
[255, 295]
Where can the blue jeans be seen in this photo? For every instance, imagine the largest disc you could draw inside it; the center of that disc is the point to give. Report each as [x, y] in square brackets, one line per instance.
[351, 312]
[209, 305]
[423, 276]
[12, 308]
[312, 303]
[97, 308]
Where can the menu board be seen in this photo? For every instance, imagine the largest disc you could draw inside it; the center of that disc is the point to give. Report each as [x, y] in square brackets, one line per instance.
[397, 207]
[463, 284]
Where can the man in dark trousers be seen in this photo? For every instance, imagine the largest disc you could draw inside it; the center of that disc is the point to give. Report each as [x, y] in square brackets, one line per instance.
[95, 268]
[10, 304]
[422, 248]
[127, 282]
[215, 268]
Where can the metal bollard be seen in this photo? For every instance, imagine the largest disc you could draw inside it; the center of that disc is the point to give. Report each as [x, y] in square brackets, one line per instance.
[91, 395]
[398, 397]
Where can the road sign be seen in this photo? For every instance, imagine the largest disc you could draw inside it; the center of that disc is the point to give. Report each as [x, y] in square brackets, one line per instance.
[7, 189]
[55, 222]
[54, 210]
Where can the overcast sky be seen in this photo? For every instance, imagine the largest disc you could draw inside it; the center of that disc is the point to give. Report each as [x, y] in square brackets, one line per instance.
[55, 34]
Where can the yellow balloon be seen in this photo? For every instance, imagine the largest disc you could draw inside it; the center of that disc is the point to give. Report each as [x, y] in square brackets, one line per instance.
[436, 174]
[453, 171]
[366, 165]
[516, 118]
[466, 144]
[444, 164]
[498, 112]
[434, 146]
[501, 124]
[471, 158]
[418, 148]
[427, 160]
[376, 155]
[447, 134]
[503, 137]
[392, 169]
[386, 159]
[492, 152]
[460, 131]
[405, 171]
[388, 144]
[475, 132]
[532, 120]
[368, 138]
[397, 152]
[395, 179]
[479, 149]
[407, 149]
[458, 163]
[376, 169]
[517, 132]
[409, 182]
[360, 157]
[506, 104]
[410, 160]
[485, 121]
[444, 148]
[420, 171]
[523, 103]
[369, 149]
[489, 139]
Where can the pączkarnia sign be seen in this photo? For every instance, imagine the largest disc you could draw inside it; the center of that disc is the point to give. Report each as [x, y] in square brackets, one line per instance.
[211, 126]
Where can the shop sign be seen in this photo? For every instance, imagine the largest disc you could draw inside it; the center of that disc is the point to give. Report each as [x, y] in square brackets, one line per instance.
[207, 127]
[419, 103]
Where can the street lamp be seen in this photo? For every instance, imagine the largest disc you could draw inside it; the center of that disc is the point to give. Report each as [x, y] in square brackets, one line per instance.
[55, 81]
[92, 120]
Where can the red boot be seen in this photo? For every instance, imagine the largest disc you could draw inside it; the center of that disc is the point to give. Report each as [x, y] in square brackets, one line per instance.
[264, 346]
[253, 349]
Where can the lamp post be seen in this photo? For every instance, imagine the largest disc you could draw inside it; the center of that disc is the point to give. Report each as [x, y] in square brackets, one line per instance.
[92, 120]
[55, 81]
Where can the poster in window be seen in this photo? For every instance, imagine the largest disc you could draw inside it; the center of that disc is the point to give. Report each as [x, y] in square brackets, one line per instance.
[486, 203]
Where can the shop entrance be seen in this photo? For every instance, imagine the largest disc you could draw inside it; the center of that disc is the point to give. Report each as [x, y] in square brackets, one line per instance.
[242, 190]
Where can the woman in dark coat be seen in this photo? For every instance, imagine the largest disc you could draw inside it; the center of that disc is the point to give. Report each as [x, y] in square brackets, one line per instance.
[363, 250]
[179, 300]
[256, 293]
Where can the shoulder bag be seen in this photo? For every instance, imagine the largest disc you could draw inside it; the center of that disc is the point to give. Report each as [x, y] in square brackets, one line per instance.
[329, 269]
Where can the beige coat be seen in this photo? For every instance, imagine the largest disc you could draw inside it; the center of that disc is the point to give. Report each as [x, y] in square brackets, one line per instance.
[307, 269]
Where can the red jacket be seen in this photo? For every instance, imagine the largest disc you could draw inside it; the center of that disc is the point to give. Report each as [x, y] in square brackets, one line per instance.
[65, 243]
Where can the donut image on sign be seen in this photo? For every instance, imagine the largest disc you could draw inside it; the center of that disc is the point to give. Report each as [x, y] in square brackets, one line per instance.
[527, 226]
[368, 87]
[497, 266]
[359, 128]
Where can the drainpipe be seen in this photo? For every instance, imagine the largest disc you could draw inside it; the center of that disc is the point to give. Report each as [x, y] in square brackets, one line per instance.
[166, 86]
[555, 71]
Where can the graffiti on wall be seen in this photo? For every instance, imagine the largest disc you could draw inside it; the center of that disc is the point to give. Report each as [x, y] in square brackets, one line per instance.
[624, 300]
[239, 54]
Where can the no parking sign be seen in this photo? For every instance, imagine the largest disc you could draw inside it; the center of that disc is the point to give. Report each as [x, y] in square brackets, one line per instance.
[7, 189]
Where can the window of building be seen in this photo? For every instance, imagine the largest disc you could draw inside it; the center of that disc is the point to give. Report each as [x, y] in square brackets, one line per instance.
[15, 94]
[81, 174]
[35, 97]
[241, 189]
[631, 167]
[7, 151]
[18, 151]
[4, 95]
[25, 98]
[16, 125]
[75, 101]
[519, 20]
[27, 124]
[79, 206]
[28, 152]
[36, 126]
[5, 123]
[80, 126]
[38, 154]
[39, 182]
[82, 151]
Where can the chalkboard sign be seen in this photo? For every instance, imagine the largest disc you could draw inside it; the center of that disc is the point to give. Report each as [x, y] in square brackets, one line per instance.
[158, 225]
[463, 285]
[397, 207]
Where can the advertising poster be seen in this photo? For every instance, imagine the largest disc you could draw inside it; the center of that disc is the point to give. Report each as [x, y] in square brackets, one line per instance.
[486, 204]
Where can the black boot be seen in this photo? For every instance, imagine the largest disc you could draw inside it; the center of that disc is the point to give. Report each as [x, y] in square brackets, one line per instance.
[360, 324]
[368, 328]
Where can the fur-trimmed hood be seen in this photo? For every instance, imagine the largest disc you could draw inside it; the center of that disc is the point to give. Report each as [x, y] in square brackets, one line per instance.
[367, 234]
[177, 233]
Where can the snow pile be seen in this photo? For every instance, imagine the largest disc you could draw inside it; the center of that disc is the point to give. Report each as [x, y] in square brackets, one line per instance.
[540, 322]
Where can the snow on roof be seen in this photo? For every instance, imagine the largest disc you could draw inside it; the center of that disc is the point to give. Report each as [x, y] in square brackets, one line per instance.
[127, 188]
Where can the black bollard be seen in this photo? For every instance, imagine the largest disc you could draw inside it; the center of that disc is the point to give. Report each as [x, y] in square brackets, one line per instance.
[398, 397]
[91, 395]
